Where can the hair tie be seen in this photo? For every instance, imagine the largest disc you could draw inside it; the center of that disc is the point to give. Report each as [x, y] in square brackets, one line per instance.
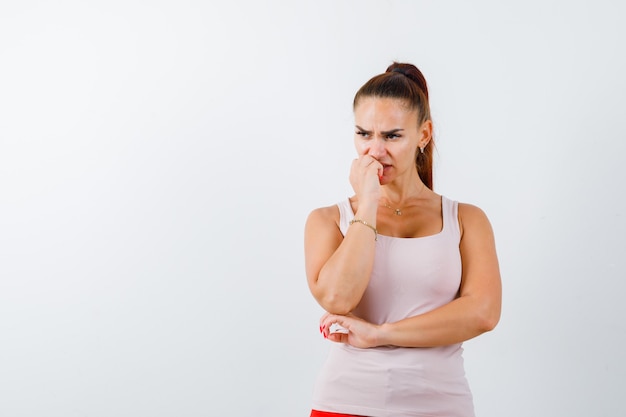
[400, 70]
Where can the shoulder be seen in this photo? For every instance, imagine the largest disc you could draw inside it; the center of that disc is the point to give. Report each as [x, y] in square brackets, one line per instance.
[473, 218]
[323, 217]
[325, 214]
[322, 231]
[470, 211]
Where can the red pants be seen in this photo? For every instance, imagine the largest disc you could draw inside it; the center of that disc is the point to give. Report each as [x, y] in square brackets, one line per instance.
[315, 413]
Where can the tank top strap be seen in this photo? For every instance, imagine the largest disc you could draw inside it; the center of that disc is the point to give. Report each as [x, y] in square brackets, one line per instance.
[450, 214]
[345, 215]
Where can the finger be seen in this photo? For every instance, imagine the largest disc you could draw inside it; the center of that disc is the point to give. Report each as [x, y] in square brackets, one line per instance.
[375, 165]
[325, 322]
[333, 324]
[326, 317]
[372, 162]
[337, 324]
[329, 319]
[369, 160]
[338, 337]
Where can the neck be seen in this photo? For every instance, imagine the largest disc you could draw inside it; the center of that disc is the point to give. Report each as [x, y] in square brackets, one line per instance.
[402, 190]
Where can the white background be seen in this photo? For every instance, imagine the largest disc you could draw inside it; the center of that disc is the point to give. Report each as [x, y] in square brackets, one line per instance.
[158, 160]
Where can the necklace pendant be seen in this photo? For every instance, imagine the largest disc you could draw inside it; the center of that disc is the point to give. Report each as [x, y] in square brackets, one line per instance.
[398, 212]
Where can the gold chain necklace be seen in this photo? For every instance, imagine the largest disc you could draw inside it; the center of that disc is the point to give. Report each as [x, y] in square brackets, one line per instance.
[398, 211]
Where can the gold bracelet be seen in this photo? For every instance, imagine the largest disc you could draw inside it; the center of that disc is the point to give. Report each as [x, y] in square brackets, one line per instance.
[366, 224]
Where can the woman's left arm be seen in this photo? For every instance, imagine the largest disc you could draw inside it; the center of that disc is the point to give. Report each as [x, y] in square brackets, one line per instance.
[475, 311]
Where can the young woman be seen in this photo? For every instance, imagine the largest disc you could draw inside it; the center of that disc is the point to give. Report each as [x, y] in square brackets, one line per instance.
[404, 274]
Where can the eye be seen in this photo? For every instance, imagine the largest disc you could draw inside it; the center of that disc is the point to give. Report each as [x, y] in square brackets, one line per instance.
[392, 136]
[362, 133]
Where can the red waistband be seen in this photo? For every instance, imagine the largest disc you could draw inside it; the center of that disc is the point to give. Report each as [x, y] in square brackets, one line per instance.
[315, 413]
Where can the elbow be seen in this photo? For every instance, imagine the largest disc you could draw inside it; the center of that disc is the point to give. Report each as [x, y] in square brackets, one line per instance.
[488, 323]
[487, 318]
[337, 304]
[336, 299]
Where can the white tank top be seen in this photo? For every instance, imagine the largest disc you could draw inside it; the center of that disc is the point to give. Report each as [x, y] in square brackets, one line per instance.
[410, 276]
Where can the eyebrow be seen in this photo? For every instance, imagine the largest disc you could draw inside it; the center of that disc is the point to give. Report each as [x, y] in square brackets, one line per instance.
[385, 133]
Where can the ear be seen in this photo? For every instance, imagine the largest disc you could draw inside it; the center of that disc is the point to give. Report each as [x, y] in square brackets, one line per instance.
[425, 133]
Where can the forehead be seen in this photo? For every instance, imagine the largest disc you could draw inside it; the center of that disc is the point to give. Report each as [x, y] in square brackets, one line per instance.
[384, 112]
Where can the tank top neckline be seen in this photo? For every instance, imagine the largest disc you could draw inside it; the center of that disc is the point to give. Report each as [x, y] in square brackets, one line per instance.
[444, 223]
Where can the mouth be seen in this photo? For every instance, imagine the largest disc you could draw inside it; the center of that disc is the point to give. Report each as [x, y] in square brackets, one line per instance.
[386, 169]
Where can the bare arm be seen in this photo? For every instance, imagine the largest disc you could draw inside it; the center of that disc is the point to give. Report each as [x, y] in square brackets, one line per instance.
[338, 268]
[475, 311]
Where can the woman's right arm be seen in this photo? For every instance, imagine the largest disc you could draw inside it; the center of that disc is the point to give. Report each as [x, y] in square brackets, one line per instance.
[337, 267]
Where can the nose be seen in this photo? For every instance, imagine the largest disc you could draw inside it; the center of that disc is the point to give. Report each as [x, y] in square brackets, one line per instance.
[377, 148]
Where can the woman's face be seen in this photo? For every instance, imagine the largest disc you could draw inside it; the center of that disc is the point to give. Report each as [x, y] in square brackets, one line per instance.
[387, 130]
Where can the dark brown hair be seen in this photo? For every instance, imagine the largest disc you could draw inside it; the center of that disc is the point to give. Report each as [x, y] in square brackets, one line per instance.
[405, 82]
